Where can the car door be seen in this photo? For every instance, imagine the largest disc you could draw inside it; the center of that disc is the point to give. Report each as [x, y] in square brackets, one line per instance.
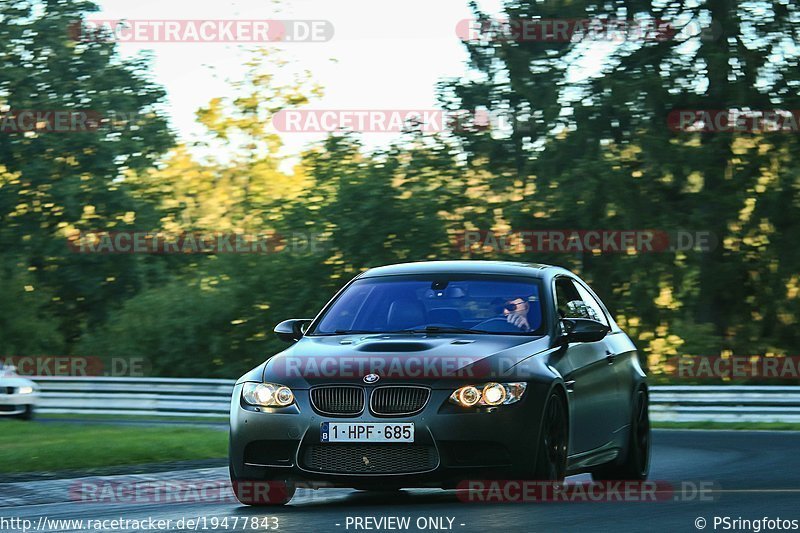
[615, 356]
[587, 368]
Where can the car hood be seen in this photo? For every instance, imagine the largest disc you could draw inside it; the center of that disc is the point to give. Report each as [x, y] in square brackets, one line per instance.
[400, 358]
[16, 381]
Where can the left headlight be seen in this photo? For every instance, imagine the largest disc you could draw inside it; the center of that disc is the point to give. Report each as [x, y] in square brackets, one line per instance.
[25, 390]
[267, 394]
[488, 394]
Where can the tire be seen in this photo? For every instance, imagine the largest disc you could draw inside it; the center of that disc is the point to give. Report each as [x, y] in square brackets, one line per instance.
[262, 492]
[551, 455]
[27, 415]
[635, 465]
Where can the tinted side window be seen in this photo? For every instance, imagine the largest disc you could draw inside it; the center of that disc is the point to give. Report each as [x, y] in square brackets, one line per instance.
[592, 304]
[573, 301]
[565, 295]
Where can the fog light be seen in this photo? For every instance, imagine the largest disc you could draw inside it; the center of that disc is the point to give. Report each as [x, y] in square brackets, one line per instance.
[494, 394]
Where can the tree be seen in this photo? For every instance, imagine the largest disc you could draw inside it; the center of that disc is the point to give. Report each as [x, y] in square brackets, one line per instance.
[594, 150]
[53, 185]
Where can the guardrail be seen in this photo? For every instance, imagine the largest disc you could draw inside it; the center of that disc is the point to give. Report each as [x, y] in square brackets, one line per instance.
[135, 396]
[725, 403]
[179, 397]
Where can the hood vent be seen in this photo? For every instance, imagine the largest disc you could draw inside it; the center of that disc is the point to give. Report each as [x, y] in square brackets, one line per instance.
[394, 346]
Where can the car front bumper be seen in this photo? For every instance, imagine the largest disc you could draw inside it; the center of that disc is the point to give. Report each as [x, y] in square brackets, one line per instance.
[16, 404]
[451, 444]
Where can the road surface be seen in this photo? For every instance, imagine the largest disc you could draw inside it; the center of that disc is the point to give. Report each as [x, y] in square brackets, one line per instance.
[742, 475]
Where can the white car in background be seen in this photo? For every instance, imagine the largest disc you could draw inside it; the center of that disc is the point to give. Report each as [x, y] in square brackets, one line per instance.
[18, 396]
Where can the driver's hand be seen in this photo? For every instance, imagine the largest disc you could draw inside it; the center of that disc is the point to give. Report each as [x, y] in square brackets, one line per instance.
[519, 321]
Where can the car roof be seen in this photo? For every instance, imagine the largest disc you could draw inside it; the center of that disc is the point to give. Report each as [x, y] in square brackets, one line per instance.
[508, 268]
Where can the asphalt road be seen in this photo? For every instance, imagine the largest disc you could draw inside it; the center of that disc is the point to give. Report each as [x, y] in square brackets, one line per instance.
[753, 475]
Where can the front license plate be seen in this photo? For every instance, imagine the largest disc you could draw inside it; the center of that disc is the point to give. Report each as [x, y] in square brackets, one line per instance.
[370, 432]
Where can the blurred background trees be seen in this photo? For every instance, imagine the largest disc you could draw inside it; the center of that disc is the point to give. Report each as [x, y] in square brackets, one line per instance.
[593, 150]
[589, 148]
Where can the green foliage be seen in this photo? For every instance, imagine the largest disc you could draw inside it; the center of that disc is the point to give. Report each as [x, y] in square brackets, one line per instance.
[53, 185]
[217, 322]
[31, 447]
[594, 152]
[26, 327]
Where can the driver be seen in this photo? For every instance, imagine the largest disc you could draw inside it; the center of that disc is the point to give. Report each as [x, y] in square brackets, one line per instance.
[516, 313]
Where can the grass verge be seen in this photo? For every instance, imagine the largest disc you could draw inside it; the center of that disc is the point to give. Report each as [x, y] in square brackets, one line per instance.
[772, 426]
[134, 418]
[32, 447]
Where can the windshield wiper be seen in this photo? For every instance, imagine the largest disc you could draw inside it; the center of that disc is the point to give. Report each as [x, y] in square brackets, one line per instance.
[343, 332]
[427, 329]
[442, 329]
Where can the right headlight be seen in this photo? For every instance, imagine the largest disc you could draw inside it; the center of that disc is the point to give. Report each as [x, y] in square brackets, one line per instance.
[267, 394]
[488, 394]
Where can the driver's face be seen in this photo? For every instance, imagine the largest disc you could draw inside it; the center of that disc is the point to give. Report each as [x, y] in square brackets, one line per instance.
[520, 306]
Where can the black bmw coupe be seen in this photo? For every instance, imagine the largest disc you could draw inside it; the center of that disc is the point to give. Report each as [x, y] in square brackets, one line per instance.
[429, 374]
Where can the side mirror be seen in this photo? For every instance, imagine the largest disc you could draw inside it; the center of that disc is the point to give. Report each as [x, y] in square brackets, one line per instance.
[583, 330]
[292, 330]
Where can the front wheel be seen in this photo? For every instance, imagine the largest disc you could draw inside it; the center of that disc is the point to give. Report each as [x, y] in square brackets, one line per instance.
[635, 465]
[27, 414]
[261, 492]
[551, 457]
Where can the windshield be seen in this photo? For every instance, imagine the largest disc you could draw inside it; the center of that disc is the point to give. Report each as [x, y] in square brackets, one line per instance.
[487, 304]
